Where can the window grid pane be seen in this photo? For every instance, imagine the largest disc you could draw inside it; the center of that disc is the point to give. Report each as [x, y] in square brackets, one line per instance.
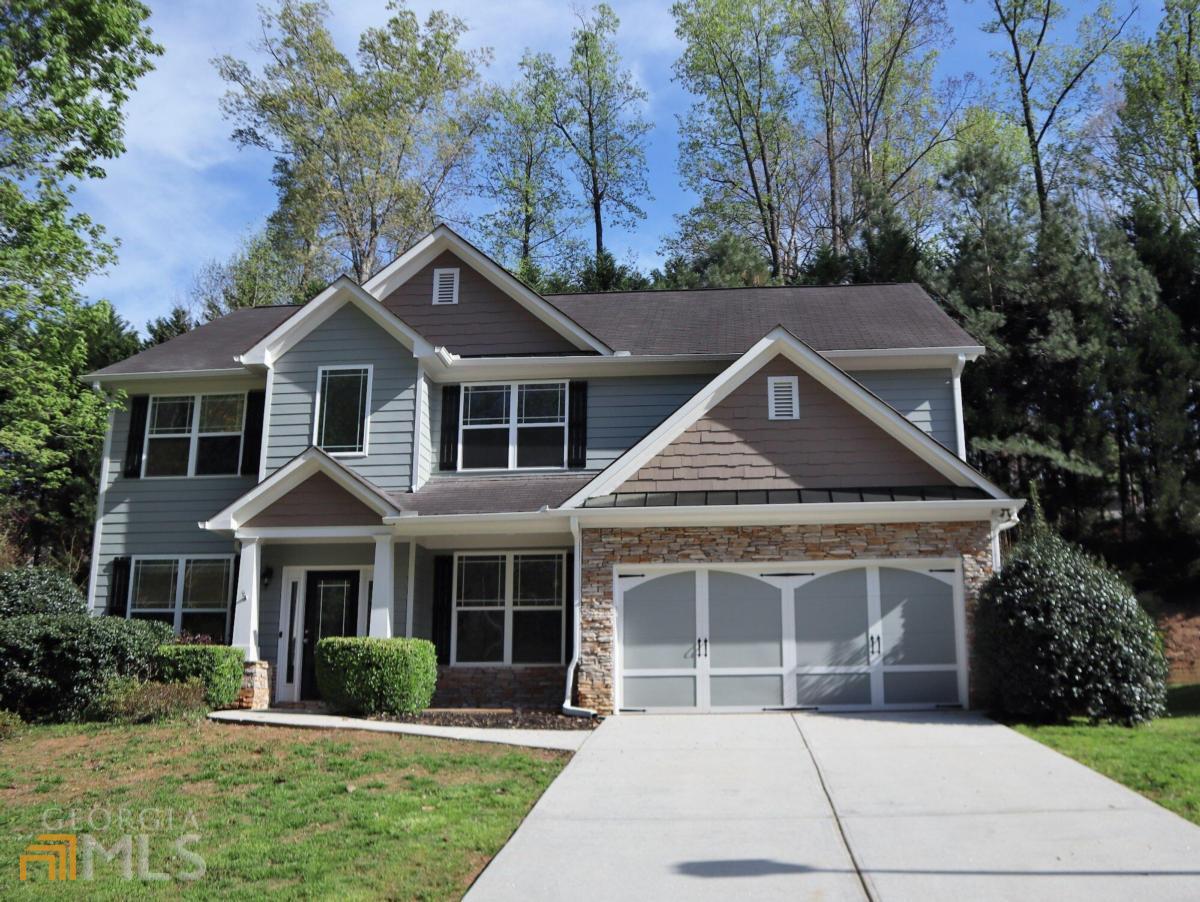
[154, 585]
[486, 405]
[343, 410]
[481, 581]
[541, 404]
[221, 414]
[206, 584]
[537, 580]
[171, 416]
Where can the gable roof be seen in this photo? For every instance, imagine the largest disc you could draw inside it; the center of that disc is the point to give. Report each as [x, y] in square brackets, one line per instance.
[730, 320]
[443, 238]
[779, 341]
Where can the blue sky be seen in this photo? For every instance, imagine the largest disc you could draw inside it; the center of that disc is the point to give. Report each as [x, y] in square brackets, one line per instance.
[183, 193]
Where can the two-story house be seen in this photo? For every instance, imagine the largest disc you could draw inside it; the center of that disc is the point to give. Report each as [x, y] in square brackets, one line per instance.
[659, 500]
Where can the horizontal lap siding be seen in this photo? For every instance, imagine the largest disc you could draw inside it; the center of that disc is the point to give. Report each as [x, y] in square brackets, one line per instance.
[924, 397]
[347, 338]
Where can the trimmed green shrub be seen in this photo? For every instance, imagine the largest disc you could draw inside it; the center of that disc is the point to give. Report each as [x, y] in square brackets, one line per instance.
[127, 699]
[39, 590]
[376, 676]
[56, 667]
[1058, 634]
[218, 667]
[10, 724]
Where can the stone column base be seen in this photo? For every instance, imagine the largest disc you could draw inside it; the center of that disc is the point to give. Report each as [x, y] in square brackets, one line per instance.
[255, 694]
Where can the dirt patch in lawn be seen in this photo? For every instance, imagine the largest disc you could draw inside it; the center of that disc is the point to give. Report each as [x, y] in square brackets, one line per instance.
[498, 718]
[1181, 634]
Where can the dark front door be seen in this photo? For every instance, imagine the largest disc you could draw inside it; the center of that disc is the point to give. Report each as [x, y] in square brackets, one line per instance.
[330, 609]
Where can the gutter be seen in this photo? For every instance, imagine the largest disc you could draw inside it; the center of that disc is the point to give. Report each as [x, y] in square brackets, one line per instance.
[567, 707]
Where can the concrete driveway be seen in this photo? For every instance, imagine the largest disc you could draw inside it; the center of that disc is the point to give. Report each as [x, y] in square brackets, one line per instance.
[815, 806]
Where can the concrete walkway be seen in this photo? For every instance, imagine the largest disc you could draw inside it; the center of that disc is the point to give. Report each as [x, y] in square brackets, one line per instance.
[887, 807]
[562, 740]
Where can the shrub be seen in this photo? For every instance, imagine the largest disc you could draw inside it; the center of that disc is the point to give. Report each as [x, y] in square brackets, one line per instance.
[376, 676]
[10, 724]
[56, 667]
[127, 699]
[1058, 634]
[39, 590]
[218, 667]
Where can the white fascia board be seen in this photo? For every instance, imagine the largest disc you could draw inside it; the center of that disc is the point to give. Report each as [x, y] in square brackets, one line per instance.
[129, 380]
[903, 358]
[312, 534]
[442, 239]
[780, 341]
[341, 291]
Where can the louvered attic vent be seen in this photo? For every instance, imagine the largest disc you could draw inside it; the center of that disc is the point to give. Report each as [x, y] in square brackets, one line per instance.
[783, 398]
[445, 286]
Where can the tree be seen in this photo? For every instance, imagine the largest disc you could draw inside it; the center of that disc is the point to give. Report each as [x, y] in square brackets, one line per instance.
[368, 154]
[596, 108]
[258, 274]
[731, 261]
[163, 328]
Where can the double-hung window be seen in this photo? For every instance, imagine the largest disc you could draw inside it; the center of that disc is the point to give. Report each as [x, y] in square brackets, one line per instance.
[509, 608]
[190, 593]
[194, 435]
[513, 425]
[342, 420]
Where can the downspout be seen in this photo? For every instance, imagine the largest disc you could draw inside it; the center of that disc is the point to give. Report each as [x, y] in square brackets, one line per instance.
[1007, 520]
[567, 707]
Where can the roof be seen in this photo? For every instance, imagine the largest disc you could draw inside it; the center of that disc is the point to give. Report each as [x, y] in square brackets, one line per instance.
[212, 346]
[730, 320]
[490, 494]
[790, 496]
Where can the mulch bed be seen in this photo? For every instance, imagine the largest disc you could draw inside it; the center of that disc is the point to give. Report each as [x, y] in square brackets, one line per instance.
[498, 718]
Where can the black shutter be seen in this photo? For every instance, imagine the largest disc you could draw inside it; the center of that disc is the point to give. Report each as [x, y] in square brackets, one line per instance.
[138, 406]
[118, 588]
[443, 589]
[448, 456]
[237, 567]
[252, 438]
[577, 426]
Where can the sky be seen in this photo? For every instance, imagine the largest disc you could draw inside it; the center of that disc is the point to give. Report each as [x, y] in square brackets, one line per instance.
[183, 193]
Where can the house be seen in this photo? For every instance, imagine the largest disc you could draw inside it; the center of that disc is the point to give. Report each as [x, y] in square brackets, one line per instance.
[656, 500]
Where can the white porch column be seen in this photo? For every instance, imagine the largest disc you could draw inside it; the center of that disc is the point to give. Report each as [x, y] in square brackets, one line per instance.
[383, 597]
[245, 610]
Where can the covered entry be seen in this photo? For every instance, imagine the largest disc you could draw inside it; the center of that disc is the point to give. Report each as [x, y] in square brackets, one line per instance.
[885, 634]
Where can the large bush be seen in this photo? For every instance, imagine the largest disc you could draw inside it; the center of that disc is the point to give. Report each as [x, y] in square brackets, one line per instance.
[376, 676]
[39, 590]
[218, 667]
[1058, 634]
[57, 667]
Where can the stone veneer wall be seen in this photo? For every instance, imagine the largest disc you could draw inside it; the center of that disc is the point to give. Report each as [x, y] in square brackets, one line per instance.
[603, 548]
[499, 687]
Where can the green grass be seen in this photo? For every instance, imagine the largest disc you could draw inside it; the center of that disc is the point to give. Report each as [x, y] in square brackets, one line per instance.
[294, 813]
[1161, 760]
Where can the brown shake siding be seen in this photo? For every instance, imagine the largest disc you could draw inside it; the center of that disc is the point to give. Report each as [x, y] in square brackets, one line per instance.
[735, 445]
[318, 501]
[484, 321]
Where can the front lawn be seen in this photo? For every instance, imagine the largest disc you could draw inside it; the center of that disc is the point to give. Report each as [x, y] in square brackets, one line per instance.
[1161, 760]
[299, 813]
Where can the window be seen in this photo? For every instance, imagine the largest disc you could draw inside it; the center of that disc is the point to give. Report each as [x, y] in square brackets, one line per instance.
[445, 286]
[513, 425]
[509, 608]
[783, 398]
[343, 397]
[194, 435]
[191, 594]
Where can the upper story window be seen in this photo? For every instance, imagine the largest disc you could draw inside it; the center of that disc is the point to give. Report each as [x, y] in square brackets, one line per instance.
[194, 435]
[783, 398]
[343, 409]
[513, 425]
[445, 286]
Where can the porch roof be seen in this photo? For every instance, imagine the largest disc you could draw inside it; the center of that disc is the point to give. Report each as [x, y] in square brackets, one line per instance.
[490, 494]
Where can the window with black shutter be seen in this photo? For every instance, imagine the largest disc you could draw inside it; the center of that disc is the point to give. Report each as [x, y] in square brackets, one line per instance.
[189, 435]
[577, 426]
[252, 443]
[448, 452]
[138, 405]
[512, 426]
[118, 587]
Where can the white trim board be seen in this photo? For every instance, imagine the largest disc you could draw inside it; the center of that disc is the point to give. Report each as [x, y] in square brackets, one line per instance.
[778, 342]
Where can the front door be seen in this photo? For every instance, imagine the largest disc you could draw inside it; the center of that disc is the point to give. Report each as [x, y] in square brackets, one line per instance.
[330, 609]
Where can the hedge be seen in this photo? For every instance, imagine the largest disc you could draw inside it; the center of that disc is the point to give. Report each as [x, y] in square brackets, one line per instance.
[56, 667]
[362, 675]
[39, 590]
[218, 667]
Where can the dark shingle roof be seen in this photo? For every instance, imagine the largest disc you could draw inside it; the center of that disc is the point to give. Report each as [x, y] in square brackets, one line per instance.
[211, 346]
[490, 494]
[730, 320]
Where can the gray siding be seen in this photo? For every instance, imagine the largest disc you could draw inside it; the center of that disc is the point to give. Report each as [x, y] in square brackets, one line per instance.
[423, 592]
[925, 397]
[347, 337]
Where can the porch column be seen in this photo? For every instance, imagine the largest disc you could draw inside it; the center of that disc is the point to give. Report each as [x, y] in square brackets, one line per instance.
[383, 597]
[245, 610]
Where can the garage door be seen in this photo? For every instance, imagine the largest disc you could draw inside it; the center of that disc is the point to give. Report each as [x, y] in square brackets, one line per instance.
[860, 637]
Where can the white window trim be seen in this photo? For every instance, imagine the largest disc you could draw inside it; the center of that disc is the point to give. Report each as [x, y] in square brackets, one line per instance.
[508, 608]
[194, 434]
[513, 425]
[437, 274]
[177, 609]
[794, 382]
[321, 370]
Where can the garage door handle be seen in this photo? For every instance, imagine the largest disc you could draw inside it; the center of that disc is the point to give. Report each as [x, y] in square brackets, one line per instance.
[706, 648]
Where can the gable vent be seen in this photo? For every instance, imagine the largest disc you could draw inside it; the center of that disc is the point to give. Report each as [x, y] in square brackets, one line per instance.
[445, 286]
[783, 398]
